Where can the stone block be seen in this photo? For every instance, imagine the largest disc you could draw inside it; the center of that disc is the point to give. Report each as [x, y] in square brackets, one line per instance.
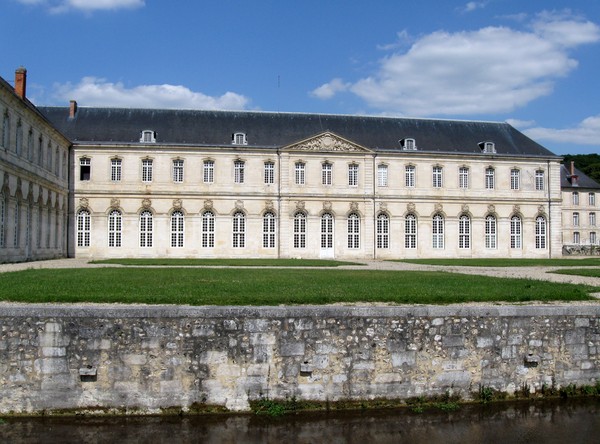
[582, 322]
[485, 342]
[134, 359]
[50, 366]
[213, 357]
[54, 351]
[401, 358]
[461, 379]
[453, 341]
[292, 348]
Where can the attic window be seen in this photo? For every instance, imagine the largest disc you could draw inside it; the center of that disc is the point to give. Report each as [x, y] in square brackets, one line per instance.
[239, 139]
[487, 147]
[148, 136]
[408, 144]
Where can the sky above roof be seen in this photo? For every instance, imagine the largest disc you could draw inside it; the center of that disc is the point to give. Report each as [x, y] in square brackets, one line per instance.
[534, 63]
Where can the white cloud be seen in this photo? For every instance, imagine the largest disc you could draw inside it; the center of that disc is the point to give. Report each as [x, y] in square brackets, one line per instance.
[490, 70]
[59, 6]
[472, 6]
[92, 91]
[521, 124]
[585, 133]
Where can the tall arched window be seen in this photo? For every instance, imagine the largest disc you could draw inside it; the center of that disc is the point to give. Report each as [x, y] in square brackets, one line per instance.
[208, 229]
[437, 230]
[268, 230]
[490, 232]
[17, 222]
[464, 231]
[6, 131]
[83, 229]
[383, 231]
[146, 229]
[114, 228]
[299, 230]
[353, 231]
[410, 231]
[540, 232]
[2, 220]
[239, 230]
[177, 220]
[515, 232]
[326, 230]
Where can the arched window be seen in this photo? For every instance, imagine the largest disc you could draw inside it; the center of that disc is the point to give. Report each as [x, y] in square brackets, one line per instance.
[515, 232]
[269, 230]
[383, 231]
[6, 131]
[464, 232]
[299, 230]
[177, 229]
[2, 220]
[19, 138]
[146, 229]
[239, 230]
[83, 229]
[208, 229]
[17, 221]
[114, 228]
[353, 231]
[490, 232]
[410, 231]
[326, 230]
[540, 232]
[437, 230]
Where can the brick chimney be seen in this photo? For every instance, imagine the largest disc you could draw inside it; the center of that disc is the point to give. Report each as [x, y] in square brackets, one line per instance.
[72, 109]
[574, 177]
[21, 82]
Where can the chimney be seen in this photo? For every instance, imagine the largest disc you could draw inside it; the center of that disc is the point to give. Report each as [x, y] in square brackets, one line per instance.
[574, 177]
[21, 82]
[72, 109]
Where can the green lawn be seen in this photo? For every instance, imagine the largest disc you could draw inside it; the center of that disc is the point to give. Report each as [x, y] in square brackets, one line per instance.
[591, 272]
[272, 286]
[583, 262]
[227, 262]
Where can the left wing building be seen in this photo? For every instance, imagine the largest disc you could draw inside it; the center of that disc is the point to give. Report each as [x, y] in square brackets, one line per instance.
[216, 184]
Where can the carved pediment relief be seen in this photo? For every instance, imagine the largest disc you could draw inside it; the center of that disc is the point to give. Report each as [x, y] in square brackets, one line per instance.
[326, 142]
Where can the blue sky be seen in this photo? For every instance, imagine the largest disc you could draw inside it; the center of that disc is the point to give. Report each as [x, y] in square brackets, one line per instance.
[535, 64]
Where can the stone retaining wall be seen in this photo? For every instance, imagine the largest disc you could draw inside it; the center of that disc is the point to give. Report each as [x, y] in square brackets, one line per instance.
[147, 358]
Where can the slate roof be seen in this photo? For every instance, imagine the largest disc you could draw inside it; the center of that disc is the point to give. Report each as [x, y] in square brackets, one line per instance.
[583, 181]
[276, 130]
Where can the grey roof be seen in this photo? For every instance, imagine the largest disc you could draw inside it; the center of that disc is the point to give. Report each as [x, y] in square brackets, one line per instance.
[275, 130]
[583, 181]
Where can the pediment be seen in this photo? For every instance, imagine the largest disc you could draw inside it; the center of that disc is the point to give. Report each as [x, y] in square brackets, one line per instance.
[326, 142]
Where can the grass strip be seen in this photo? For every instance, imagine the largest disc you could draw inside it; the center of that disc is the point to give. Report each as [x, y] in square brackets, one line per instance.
[241, 286]
[589, 272]
[176, 262]
[467, 262]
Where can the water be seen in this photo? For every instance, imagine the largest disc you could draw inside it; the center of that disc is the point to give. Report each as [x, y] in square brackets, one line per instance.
[561, 422]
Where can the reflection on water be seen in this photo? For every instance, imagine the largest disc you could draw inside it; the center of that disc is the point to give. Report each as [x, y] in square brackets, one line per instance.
[540, 422]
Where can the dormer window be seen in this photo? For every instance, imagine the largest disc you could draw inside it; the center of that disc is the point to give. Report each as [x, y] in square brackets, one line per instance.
[239, 139]
[408, 144]
[487, 147]
[148, 136]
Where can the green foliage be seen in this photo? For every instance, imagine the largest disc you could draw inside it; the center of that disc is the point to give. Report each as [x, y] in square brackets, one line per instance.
[591, 272]
[269, 407]
[588, 163]
[468, 262]
[175, 262]
[486, 394]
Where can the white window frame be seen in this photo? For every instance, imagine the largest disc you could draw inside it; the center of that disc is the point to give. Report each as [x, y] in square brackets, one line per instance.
[116, 167]
[463, 177]
[382, 175]
[575, 219]
[177, 165]
[208, 229]
[239, 139]
[464, 232]
[575, 197]
[269, 230]
[490, 178]
[85, 169]
[83, 228]
[592, 219]
[146, 229]
[593, 238]
[326, 173]
[491, 232]
[238, 171]
[410, 176]
[239, 230]
[327, 222]
[410, 231]
[353, 231]
[409, 144]
[115, 229]
[437, 176]
[269, 170]
[177, 229]
[148, 136]
[592, 199]
[437, 232]
[576, 237]
[383, 231]
[540, 233]
[300, 173]
[208, 171]
[516, 232]
[299, 230]
[353, 175]
[515, 179]
[540, 179]
[147, 170]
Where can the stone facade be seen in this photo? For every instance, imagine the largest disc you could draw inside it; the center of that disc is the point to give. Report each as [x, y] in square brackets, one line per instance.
[148, 358]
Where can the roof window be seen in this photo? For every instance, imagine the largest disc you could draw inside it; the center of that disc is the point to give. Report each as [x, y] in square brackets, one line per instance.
[487, 147]
[148, 136]
[408, 144]
[239, 139]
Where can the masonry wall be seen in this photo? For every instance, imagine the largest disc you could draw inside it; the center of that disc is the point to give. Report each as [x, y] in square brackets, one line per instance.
[147, 358]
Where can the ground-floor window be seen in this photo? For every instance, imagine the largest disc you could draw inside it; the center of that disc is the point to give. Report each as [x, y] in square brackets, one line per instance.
[540, 232]
[83, 228]
[177, 229]
[437, 231]
[490, 232]
[269, 230]
[353, 231]
[383, 231]
[515, 232]
[300, 230]
[208, 229]
[114, 229]
[464, 232]
[146, 229]
[239, 230]
[326, 231]
[410, 231]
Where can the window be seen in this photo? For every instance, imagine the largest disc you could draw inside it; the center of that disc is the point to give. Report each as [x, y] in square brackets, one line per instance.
[539, 180]
[40, 229]
[409, 176]
[56, 160]
[575, 219]
[40, 154]
[177, 229]
[575, 198]
[239, 139]
[147, 136]
[382, 175]
[17, 227]
[85, 168]
[592, 199]
[327, 173]
[6, 131]
[383, 231]
[147, 170]
[269, 173]
[19, 138]
[178, 170]
[437, 230]
[239, 230]
[83, 228]
[515, 179]
[436, 176]
[489, 178]
[209, 171]
[353, 175]
[238, 171]
[2, 220]
[464, 232]
[326, 231]
[49, 224]
[146, 229]
[300, 173]
[269, 230]
[576, 238]
[463, 177]
[540, 232]
[410, 231]
[515, 232]
[114, 228]
[490, 232]
[593, 238]
[115, 170]
[30, 145]
[592, 217]
[353, 231]
[208, 229]
[408, 144]
[487, 147]
[49, 157]
[299, 230]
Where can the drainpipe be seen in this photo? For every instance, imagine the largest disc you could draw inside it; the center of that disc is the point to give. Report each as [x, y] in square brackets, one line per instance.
[549, 213]
[278, 204]
[374, 176]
